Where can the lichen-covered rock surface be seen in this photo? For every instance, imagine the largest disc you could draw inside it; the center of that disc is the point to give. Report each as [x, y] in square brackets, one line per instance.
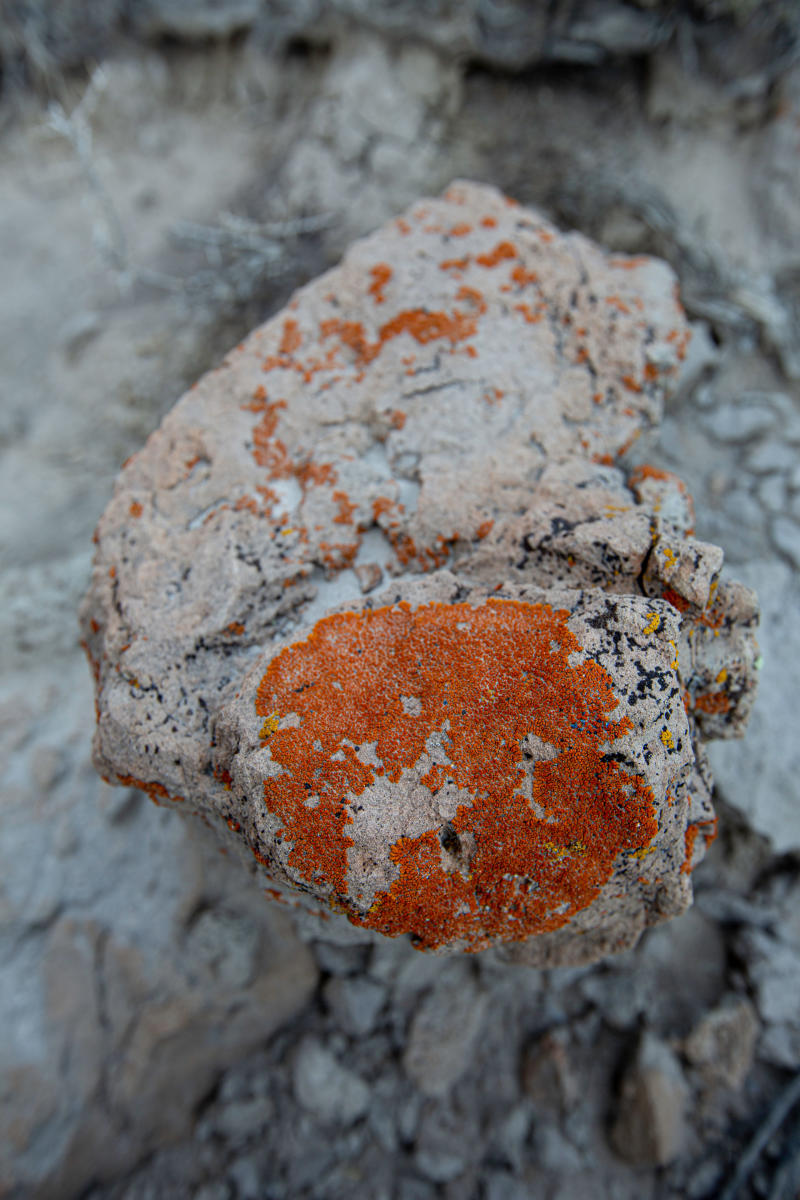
[376, 596]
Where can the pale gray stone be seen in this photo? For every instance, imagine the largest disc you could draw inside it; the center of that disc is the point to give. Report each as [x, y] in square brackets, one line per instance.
[355, 1004]
[326, 1088]
[722, 1044]
[738, 422]
[650, 1125]
[443, 1032]
[772, 456]
[786, 536]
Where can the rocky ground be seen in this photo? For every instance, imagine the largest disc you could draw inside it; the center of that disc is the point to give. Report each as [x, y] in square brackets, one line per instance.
[169, 173]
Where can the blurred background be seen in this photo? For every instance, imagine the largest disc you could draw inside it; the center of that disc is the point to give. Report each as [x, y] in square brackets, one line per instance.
[170, 170]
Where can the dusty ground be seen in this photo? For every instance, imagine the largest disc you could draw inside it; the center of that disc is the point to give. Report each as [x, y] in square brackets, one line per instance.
[165, 1032]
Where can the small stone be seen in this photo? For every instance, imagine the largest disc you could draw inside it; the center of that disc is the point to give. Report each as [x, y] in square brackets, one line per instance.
[772, 493]
[770, 457]
[443, 1032]
[355, 1004]
[786, 536]
[650, 1126]
[247, 1179]
[723, 1042]
[548, 1076]
[369, 576]
[341, 960]
[327, 1089]
[738, 423]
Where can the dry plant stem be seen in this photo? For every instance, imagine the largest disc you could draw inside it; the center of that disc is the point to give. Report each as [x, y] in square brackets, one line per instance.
[780, 1110]
[257, 249]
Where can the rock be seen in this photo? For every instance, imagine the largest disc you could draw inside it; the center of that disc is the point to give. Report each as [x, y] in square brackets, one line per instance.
[448, 1141]
[722, 1044]
[759, 774]
[786, 536]
[327, 1089]
[355, 1004]
[650, 1125]
[771, 457]
[193, 20]
[738, 423]
[443, 1032]
[773, 969]
[449, 404]
[548, 1076]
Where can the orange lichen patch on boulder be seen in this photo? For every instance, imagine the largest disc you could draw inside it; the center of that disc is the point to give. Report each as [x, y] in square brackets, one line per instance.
[346, 508]
[709, 831]
[292, 338]
[460, 230]
[418, 323]
[135, 509]
[156, 791]
[473, 296]
[483, 678]
[713, 703]
[528, 313]
[455, 264]
[629, 264]
[502, 250]
[672, 597]
[381, 274]
[397, 417]
[522, 276]
[489, 222]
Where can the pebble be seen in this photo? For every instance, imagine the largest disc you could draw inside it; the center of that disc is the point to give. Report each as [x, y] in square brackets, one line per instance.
[443, 1032]
[341, 960]
[786, 536]
[325, 1088]
[355, 1003]
[723, 1042]
[771, 456]
[735, 423]
[650, 1126]
[772, 493]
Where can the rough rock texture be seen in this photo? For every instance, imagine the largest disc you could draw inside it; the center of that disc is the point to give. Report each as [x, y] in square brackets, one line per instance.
[500, 748]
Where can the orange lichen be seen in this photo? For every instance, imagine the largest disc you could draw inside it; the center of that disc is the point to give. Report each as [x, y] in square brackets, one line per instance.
[690, 838]
[483, 678]
[397, 417]
[522, 276]
[292, 339]
[713, 703]
[156, 791]
[346, 509]
[381, 274]
[530, 316]
[489, 222]
[455, 264]
[460, 230]
[672, 597]
[236, 628]
[473, 296]
[135, 509]
[423, 326]
[501, 251]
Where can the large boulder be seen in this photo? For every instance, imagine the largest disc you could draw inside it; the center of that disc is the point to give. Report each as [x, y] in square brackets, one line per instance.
[377, 598]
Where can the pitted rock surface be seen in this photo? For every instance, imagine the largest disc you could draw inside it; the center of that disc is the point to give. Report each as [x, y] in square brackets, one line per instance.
[504, 745]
